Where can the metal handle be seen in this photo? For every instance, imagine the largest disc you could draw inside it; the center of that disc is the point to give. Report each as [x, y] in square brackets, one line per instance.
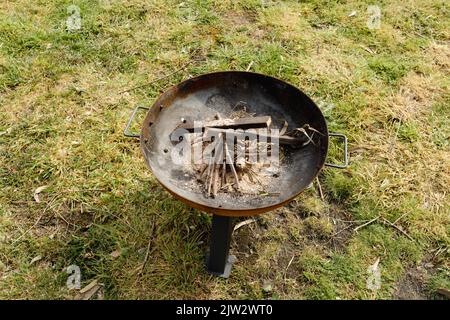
[345, 165]
[125, 132]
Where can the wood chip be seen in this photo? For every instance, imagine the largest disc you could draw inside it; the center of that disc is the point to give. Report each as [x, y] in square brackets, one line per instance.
[444, 292]
[91, 285]
[35, 259]
[37, 191]
[368, 49]
[115, 254]
[243, 223]
[89, 291]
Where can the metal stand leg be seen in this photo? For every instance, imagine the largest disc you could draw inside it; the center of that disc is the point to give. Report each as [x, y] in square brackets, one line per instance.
[218, 261]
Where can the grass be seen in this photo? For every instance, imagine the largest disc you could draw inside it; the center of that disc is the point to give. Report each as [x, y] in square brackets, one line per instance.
[62, 116]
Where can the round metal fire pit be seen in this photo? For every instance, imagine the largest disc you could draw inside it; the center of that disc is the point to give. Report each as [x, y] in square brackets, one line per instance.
[205, 96]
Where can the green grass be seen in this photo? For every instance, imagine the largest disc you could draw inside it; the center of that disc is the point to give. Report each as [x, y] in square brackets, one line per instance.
[62, 116]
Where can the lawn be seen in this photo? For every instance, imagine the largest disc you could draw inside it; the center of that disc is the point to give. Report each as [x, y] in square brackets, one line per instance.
[67, 88]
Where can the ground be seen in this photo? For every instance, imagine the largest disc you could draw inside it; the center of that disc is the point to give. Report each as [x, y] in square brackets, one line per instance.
[63, 109]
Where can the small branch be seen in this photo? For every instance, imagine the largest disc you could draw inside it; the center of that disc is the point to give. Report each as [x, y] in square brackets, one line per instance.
[147, 253]
[233, 169]
[34, 225]
[159, 79]
[289, 264]
[399, 218]
[214, 180]
[250, 66]
[37, 221]
[320, 189]
[342, 230]
[224, 170]
[444, 292]
[366, 224]
[351, 221]
[243, 223]
[398, 229]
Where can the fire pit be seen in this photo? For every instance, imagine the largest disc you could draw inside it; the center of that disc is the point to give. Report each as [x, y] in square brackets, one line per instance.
[204, 109]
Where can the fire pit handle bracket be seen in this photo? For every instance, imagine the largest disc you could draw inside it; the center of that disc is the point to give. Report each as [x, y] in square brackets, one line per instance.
[344, 138]
[126, 132]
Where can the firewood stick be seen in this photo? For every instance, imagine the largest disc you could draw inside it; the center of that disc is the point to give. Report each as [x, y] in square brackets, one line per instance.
[204, 174]
[201, 172]
[241, 123]
[208, 177]
[212, 160]
[214, 170]
[215, 180]
[225, 186]
[215, 173]
[282, 139]
[211, 177]
[224, 172]
[224, 168]
[233, 169]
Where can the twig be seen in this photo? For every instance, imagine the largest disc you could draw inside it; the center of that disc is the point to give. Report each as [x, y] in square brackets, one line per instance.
[233, 169]
[399, 218]
[209, 175]
[224, 170]
[366, 224]
[320, 189]
[222, 151]
[250, 65]
[205, 172]
[214, 181]
[351, 221]
[302, 130]
[289, 264]
[202, 170]
[284, 128]
[82, 190]
[367, 49]
[243, 223]
[158, 79]
[342, 230]
[210, 171]
[37, 221]
[147, 253]
[67, 222]
[398, 229]
[215, 170]
[307, 126]
[444, 292]
[28, 230]
[89, 291]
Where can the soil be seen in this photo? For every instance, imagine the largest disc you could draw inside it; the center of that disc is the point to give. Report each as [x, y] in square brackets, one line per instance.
[412, 286]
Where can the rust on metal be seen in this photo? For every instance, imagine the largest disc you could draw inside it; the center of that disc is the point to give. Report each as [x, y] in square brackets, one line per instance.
[201, 99]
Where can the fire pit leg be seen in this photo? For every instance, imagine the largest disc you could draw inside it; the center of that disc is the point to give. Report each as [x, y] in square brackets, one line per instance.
[218, 262]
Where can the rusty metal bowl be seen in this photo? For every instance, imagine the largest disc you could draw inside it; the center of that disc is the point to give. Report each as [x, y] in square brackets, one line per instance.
[203, 97]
